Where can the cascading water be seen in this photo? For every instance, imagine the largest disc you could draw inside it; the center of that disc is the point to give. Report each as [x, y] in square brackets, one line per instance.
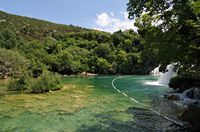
[156, 71]
[165, 77]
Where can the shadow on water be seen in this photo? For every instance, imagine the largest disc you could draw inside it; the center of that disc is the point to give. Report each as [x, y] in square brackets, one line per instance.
[143, 121]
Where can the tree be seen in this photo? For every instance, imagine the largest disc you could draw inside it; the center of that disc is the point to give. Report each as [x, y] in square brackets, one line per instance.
[171, 27]
[11, 63]
[73, 60]
[102, 50]
[103, 66]
[8, 39]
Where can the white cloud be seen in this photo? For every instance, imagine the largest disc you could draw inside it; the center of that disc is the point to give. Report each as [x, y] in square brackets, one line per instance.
[103, 19]
[111, 23]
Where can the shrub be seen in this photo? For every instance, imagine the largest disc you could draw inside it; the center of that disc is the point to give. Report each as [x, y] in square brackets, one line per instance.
[20, 84]
[12, 63]
[46, 82]
[8, 39]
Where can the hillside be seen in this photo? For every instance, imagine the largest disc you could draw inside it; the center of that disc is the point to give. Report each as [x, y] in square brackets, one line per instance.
[34, 28]
[71, 49]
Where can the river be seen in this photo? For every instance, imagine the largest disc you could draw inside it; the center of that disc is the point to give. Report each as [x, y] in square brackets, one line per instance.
[90, 104]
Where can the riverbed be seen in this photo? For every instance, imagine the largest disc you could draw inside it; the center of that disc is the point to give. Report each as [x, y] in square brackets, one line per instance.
[89, 104]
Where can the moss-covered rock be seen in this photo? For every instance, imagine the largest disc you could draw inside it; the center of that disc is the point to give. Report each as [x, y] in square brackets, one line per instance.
[182, 83]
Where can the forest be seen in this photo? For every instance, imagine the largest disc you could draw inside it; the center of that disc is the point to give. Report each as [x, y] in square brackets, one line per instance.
[31, 48]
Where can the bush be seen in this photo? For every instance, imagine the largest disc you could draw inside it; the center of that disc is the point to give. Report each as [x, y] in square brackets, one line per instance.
[12, 63]
[46, 82]
[20, 84]
[8, 39]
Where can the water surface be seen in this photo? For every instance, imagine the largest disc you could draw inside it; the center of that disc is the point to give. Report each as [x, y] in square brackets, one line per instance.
[89, 104]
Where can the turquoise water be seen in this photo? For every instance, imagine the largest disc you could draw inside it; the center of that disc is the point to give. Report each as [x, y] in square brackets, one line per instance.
[89, 104]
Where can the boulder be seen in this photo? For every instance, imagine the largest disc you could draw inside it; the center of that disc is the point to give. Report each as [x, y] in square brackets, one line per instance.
[87, 74]
[192, 115]
[173, 97]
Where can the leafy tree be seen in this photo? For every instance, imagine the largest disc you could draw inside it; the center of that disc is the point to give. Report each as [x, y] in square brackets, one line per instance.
[102, 50]
[52, 46]
[170, 26]
[103, 66]
[73, 60]
[8, 39]
[117, 38]
[12, 63]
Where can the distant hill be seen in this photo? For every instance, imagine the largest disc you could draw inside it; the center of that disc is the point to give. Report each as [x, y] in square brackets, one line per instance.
[34, 28]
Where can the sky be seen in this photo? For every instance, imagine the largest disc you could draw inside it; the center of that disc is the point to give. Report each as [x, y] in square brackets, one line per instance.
[106, 15]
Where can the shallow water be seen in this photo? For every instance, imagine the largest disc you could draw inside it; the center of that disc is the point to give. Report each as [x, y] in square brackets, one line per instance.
[89, 104]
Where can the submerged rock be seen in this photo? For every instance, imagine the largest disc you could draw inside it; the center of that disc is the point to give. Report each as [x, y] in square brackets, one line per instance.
[173, 97]
[187, 97]
[192, 115]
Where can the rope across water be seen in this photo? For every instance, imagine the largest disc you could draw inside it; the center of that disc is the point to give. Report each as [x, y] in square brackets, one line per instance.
[134, 100]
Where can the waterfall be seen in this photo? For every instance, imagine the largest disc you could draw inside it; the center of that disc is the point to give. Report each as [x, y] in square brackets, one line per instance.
[164, 78]
[156, 71]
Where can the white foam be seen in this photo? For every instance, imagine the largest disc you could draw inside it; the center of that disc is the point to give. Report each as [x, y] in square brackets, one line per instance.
[155, 83]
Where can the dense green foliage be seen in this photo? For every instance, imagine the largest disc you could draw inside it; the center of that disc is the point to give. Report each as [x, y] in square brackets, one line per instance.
[46, 82]
[171, 29]
[7, 39]
[33, 47]
[30, 28]
[12, 63]
[72, 50]
[20, 84]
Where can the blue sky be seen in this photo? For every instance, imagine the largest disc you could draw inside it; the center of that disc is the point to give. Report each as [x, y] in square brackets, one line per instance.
[107, 15]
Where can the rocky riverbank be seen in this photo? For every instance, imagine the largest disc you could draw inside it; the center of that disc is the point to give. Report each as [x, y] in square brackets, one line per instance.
[190, 99]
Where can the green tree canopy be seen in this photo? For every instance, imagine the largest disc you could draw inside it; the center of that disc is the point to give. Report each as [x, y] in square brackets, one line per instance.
[11, 63]
[172, 28]
[8, 39]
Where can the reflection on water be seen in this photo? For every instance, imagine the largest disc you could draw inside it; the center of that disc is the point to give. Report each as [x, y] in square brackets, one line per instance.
[89, 104]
